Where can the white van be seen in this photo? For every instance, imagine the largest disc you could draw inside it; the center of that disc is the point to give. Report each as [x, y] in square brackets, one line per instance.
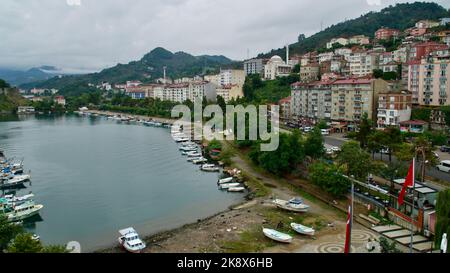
[444, 166]
[325, 132]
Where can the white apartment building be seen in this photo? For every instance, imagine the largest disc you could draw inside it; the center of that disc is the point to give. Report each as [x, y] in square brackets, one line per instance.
[231, 76]
[311, 100]
[326, 56]
[346, 52]
[230, 92]
[341, 41]
[363, 63]
[393, 108]
[434, 84]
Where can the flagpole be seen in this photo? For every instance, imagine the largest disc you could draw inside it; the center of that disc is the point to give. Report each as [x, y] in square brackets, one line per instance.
[412, 208]
[351, 216]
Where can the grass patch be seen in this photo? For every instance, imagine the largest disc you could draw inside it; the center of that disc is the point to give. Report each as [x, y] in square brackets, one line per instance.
[259, 189]
[250, 241]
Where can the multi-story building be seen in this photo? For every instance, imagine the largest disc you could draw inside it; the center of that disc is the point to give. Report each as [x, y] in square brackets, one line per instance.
[346, 52]
[359, 40]
[412, 68]
[324, 57]
[389, 67]
[285, 109]
[386, 57]
[311, 100]
[254, 66]
[386, 33]
[308, 58]
[434, 83]
[393, 108]
[351, 98]
[309, 72]
[363, 63]
[230, 92]
[341, 41]
[421, 50]
[140, 91]
[231, 76]
[276, 67]
[214, 79]
[60, 100]
[426, 24]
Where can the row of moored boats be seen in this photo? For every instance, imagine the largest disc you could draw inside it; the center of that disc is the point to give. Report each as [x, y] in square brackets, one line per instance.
[12, 178]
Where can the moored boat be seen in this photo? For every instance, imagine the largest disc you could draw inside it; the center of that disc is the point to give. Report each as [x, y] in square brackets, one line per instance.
[277, 236]
[129, 239]
[236, 189]
[225, 180]
[302, 229]
[23, 211]
[210, 168]
[200, 160]
[229, 185]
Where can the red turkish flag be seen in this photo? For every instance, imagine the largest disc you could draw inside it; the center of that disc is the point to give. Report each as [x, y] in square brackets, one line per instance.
[409, 182]
[348, 232]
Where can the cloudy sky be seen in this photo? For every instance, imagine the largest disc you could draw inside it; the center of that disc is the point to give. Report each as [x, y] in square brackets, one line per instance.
[88, 35]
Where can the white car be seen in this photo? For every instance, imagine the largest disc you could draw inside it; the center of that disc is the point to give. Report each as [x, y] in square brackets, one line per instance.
[325, 132]
[306, 129]
[444, 166]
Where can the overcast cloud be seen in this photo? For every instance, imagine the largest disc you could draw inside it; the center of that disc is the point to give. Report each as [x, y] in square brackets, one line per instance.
[88, 35]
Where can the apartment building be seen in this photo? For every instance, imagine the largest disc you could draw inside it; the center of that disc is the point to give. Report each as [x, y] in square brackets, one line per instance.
[230, 92]
[309, 72]
[311, 100]
[434, 84]
[363, 63]
[412, 76]
[351, 98]
[340, 41]
[421, 50]
[254, 66]
[285, 109]
[393, 108]
[231, 76]
[386, 33]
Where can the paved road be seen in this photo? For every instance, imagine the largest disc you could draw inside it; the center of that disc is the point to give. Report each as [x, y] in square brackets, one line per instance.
[433, 172]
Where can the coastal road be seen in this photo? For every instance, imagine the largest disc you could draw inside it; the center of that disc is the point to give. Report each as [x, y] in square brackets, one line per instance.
[433, 172]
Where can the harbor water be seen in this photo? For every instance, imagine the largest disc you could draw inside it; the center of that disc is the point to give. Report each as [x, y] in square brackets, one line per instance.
[95, 176]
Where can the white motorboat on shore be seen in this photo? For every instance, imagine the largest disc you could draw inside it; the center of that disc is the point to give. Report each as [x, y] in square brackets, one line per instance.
[210, 168]
[291, 206]
[277, 236]
[129, 239]
[303, 229]
[194, 154]
[229, 185]
[225, 180]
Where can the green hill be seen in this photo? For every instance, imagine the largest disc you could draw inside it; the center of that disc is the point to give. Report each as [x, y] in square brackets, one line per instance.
[400, 16]
[149, 68]
[10, 98]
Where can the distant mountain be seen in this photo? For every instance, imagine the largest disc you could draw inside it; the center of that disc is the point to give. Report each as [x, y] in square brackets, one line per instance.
[400, 16]
[147, 69]
[17, 77]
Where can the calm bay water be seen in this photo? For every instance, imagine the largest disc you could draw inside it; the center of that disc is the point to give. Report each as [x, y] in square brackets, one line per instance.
[95, 176]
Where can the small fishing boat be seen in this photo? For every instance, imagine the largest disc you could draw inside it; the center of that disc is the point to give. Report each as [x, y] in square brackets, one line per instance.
[14, 180]
[287, 205]
[210, 168]
[236, 189]
[302, 229]
[23, 211]
[200, 160]
[194, 154]
[277, 236]
[191, 159]
[181, 139]
[129, 239]
[229, 185]
[225, 180]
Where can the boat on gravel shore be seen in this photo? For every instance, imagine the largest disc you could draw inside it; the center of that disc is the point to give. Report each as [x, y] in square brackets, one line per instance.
[236, 189]
[210, 168]
[225, 180]
[302, 229]
[229, 185]
[291, 205]
[129, 239]
[277, 236]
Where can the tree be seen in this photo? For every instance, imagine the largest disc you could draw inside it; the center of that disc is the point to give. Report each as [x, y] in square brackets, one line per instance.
[24, 243]
[221, 102]
[4, 84]
[365, 129]
[54, 249]
[329, 178]
[387, 247]
[314, 144]
[375, 142]
[355, 160]
[301, 37]
[393, 138]
[8, 232]
[377, 73]
[296, 68]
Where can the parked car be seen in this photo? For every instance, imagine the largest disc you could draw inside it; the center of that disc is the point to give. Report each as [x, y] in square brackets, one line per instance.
[306, 129]
[325, 132]
[444, 166]
[445, 149]
[385, 151]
